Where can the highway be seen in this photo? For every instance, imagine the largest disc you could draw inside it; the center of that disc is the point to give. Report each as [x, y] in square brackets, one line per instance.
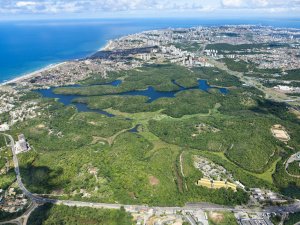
[37, 200]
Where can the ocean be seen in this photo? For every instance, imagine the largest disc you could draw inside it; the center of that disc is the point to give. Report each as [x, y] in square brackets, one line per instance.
[26, 46]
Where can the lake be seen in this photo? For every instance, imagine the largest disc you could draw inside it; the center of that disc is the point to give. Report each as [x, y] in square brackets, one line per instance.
[150, 92]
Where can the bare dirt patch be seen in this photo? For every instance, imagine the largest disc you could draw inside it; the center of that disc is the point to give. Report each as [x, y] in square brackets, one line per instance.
[280, 133]
[216, 217]
[204, 128]
[40, 126]
[97, 139]
[39, 129]
[57, 192]
[92, 123]
[153, 181]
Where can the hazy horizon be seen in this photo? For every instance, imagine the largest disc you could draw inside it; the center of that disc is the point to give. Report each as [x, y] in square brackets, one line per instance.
[225, 9]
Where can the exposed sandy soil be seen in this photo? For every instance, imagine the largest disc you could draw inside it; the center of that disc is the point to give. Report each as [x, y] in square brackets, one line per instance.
[153, 181]
[58, 192]
[216, 217]
[97, 139]
[280, 133]
[41, 126]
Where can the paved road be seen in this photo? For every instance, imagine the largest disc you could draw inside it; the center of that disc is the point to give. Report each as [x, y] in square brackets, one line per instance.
[28, 212]
[22, 220]
[289, 161]
[18, 175]
[136, 208]
[15, 221]
[190, 219]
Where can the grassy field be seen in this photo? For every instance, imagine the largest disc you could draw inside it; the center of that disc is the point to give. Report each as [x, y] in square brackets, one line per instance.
[294, 168]
[221, 218]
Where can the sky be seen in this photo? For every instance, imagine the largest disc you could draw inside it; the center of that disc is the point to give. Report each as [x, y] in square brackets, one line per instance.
[31, 9]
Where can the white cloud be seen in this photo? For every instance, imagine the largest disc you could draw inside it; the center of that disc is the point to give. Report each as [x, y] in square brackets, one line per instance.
[207, 9]
[25, 4]
[56, 6]
[232, 3]
[139, 6]
[261, 3]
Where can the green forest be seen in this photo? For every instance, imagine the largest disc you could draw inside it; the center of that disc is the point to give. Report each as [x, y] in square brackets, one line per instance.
[58, 214]
[89, 156]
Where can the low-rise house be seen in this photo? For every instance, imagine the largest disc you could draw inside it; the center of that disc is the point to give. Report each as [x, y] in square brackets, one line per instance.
[4, 127]
[21, 145]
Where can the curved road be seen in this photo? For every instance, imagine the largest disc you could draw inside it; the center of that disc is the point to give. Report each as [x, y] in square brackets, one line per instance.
[24, 218]
[135, 208]
[292, 158]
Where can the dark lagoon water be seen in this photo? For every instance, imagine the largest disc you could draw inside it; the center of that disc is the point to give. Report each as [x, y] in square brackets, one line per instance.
[67, 100]
[114, 83]
[135, 129]
[153, 94]
[30, 45]
[150, 92]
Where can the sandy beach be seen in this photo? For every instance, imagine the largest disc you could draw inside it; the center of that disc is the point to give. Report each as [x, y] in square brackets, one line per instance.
[51, 66]
[106, 47]
[32, 74]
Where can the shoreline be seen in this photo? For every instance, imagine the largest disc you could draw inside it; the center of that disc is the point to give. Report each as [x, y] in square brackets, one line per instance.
[31, 74]
[105, 47]
[20, 78]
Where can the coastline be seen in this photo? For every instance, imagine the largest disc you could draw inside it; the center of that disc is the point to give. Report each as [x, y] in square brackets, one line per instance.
[51, 66]
[32, 74]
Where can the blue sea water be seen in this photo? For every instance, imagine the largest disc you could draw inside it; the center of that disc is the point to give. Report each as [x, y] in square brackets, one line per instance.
[26, 46]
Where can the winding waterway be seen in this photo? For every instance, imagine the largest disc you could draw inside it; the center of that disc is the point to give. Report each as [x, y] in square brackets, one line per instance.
[150, 92]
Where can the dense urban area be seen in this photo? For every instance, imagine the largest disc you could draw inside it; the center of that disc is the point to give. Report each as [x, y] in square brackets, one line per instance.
[175, 126]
